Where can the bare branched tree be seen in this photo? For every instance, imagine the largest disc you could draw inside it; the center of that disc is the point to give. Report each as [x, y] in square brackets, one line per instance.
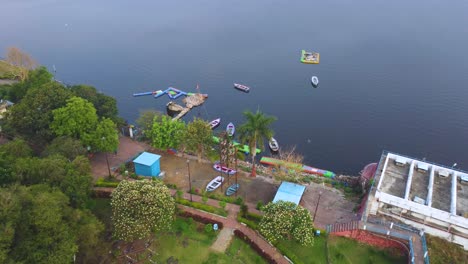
[21, 60]
[290, 155]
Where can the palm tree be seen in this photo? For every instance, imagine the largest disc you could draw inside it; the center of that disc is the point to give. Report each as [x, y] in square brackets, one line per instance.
[254, 131]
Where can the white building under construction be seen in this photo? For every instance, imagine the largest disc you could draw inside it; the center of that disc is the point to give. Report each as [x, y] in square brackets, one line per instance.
[428, 196]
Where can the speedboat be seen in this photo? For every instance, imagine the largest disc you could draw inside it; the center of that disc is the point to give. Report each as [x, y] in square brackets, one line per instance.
[230, 129]
[314, 80]
[242, 87]
[232, 189]
[223, 169]
[215, 123]
[214, 184]
[273, 145]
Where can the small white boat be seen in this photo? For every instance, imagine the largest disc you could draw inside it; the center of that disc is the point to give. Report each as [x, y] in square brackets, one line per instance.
[273, 145]
[214, 184]
[314, 80]
[230, 129]
[215, 123]
[242, 87]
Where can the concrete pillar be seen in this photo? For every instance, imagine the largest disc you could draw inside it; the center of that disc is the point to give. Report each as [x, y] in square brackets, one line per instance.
[383, 173]
[430, 188]
[453, 204]
[410, 178]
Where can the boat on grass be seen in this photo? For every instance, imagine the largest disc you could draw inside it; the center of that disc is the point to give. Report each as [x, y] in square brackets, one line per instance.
[314, 80]
[223, 169]
[215, 183]
[273, 144]
[215, 123]
[230, 129]
[242, 87]
[310, 57]
[232, 189]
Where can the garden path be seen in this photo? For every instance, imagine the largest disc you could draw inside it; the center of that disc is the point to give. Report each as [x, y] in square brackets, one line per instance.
[223, 240]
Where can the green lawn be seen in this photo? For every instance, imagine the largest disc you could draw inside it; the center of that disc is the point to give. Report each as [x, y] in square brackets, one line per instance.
[340, 251]
[442, 251]
[190, 243]
[345, 250]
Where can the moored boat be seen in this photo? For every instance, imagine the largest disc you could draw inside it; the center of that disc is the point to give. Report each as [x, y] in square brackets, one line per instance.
[310, 57]
[314, 80]
[232, 189]
[230, 129]
[273, 144]
[223, 169]
[214, 184]
[215, 123]
[242, 87]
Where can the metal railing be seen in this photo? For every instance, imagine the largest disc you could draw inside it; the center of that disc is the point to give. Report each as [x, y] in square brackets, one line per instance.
[424, 246]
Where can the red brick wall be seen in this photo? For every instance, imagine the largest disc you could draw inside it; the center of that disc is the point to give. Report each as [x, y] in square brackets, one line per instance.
[373, 240]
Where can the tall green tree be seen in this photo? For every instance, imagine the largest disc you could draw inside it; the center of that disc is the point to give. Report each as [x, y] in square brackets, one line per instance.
[105, 137]
[167, 133]
[32, 116]
[198, 137]
[141, 207]
[42, 228]
[105, 105]
[146, 119]
[255, 129]
[9, 154]
[286, 220]
[66, 146]
[77, 119]
[36, 78]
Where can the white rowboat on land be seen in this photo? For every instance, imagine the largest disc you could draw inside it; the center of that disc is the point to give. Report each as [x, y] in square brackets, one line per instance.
[215, 183]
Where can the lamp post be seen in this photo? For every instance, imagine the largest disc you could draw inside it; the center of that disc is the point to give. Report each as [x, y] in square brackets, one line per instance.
[107, 159]
[189, 180]
[316, 207]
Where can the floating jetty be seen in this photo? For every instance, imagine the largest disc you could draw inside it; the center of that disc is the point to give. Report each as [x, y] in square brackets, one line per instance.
[172, 92]
[296, 166]
[239, 146]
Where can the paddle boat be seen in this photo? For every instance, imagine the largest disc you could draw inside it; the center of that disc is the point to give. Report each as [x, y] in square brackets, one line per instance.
[223, 169]
[242, 87]
[232, 189]
[215, 123]
[214, 184]
[273, 145]
[314, 80]
[310, 57]
[230, 129]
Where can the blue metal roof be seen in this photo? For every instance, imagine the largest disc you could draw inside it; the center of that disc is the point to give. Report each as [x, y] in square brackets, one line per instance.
[289, 192]
[147, 158]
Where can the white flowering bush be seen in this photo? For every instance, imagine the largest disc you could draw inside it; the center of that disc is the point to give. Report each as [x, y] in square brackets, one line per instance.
[286, 220]
[140, 207]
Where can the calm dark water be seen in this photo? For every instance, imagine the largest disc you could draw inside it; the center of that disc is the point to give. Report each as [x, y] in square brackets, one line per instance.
[393, 74]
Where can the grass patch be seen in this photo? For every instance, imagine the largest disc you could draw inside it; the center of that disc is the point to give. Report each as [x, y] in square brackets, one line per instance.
[8, 71]
[101, 182]
[250, 219]
[203, 207]
[345, 250]
[442, 251]
[305, 254]
[189, 242]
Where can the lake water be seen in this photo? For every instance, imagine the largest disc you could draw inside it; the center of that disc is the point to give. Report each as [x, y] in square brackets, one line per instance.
[393, 74]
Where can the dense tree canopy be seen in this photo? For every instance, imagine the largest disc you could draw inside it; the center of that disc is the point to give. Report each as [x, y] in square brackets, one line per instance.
[36, 78]
[32, 116]
[286, 220]
[167, 133]
[68, 147]
[40, 227]
[254, 131]
[146, 119]
[77, 119]
[105, 137]
[198, 137]
[106, 106]
[140, 207]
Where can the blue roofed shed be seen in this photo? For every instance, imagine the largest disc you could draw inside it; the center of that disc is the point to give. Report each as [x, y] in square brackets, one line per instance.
[289, 192]
[147, 164]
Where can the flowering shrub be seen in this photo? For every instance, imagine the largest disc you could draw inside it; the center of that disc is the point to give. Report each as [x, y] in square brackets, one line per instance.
[140, 207]
[286, 220]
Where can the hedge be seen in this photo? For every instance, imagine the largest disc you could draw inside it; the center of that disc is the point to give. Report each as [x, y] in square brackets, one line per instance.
[204, 207]
[103, 183]
[248, 222]
[254, 246]
[201, 219]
